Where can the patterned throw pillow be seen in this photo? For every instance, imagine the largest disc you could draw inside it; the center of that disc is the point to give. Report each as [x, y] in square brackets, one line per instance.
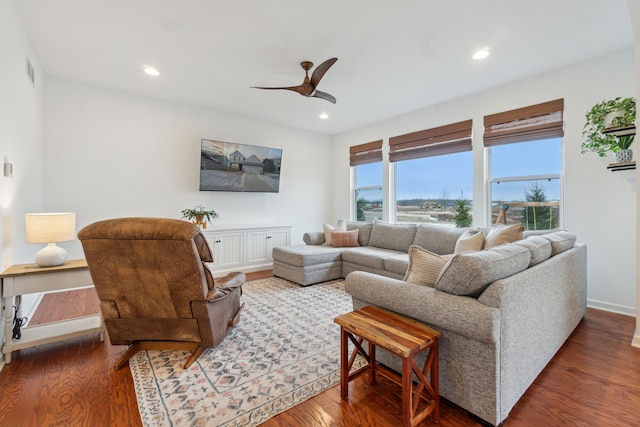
[328, 228]
[363, 227]
[501, 234]
[469, 242]
[345, 239]
[424, 266]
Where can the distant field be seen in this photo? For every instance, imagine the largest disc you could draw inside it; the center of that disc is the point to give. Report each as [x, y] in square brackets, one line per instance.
[443, 216]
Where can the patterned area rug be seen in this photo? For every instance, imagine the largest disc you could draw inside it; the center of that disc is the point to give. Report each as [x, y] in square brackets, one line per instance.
[284, 350]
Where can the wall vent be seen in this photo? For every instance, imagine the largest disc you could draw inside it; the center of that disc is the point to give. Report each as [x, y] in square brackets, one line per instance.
[31, 74]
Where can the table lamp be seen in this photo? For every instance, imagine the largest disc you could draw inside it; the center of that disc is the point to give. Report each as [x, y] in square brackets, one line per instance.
[50, 228]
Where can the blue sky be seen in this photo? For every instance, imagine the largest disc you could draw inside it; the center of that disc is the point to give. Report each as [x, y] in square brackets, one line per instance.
[431, 177]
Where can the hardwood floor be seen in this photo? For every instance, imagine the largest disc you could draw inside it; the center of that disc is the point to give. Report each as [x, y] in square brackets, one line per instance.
[594, 380]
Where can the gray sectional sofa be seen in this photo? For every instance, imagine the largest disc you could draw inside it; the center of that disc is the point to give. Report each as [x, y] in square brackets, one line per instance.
[383, 250]
[503, 312]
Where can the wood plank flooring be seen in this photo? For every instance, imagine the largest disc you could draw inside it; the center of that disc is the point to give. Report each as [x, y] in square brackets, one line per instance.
[594, 380]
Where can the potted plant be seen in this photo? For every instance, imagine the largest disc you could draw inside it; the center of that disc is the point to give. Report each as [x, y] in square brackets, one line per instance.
[198, 214]
[615, 113]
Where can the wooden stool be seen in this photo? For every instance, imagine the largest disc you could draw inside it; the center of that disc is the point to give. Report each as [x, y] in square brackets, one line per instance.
[403, 337]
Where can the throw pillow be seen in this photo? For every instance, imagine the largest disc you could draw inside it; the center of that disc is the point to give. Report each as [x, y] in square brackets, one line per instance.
[501, 234]
[471, 272]
[345, 239]
[424, 266]
[328, 228]
[468, 242]
[363, 227]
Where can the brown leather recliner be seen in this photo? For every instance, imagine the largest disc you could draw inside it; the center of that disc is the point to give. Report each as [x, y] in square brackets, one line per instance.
[155, 290]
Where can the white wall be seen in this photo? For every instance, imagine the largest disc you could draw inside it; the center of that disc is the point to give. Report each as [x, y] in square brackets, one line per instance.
[599, 205]
[20, 144]
[111, 154]
[20, 137]
[634, 11]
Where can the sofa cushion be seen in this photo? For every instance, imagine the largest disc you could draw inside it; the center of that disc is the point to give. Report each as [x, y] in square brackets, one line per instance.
[328, 228]
[560, 241]
[304, 255]
[424, 266]
[539, 247]
[470, 240]
[368, 256]
[363, 227]
[344, 239]
[397, 264]
[313, 238]
[470, 273]
[501, 234]
[397, 237]
[438, 239]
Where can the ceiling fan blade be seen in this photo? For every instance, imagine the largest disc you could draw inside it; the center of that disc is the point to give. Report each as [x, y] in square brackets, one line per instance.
[303, 89]
[324, 95]
[321, 70]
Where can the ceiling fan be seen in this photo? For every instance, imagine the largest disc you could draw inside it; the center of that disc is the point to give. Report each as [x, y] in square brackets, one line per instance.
[308, 87]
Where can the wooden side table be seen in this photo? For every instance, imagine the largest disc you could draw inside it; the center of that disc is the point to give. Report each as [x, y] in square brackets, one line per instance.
[403, 337]
[22, 279]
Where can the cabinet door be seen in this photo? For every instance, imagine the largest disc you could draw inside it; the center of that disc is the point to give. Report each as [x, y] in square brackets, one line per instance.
[227, 249]
[258, 246]
[279, 237]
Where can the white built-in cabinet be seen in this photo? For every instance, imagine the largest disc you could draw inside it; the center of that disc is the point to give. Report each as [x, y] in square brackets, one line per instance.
[244, 248]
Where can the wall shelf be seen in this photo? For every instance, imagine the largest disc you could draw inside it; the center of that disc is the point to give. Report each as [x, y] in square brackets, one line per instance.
[622, 166]
[621, 131]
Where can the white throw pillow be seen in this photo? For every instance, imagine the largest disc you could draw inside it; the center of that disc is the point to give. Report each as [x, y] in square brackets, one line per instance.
[328, 228]
[468, 242]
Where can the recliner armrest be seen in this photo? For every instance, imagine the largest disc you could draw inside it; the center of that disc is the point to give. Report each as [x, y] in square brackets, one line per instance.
[226, 284]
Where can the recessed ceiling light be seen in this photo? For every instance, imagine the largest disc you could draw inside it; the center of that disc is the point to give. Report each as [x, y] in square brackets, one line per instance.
[324, 116]
[151, 71]
[481, 54]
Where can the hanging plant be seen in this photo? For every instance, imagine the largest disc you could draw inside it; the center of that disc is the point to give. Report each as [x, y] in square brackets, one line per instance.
[618, 112]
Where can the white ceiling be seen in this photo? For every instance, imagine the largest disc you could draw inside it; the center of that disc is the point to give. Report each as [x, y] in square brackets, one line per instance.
[393, 56]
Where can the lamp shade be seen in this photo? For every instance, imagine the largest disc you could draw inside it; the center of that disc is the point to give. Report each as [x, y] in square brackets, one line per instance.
[50, 227]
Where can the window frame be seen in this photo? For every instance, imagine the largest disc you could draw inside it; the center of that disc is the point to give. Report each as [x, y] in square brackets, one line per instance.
[519, 178]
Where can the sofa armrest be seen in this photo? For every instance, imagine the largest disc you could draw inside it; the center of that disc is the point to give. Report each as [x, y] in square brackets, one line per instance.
[462, 315]
[539, 309]
[313, 238]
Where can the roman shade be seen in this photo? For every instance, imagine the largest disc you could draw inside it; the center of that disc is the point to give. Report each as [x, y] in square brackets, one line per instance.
[362, 154]
[540, 121]
[447, 139]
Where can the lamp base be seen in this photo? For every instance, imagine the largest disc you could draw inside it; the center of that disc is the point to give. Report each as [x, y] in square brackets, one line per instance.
[51, 255]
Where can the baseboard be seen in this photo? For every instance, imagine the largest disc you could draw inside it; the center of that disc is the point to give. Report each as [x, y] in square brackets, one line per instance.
[614, 308]
[246, 269]
[635, 342]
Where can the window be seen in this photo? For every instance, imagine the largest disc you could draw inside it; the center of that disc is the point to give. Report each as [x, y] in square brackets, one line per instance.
[525, 151]
[366, 159]
[434, 175]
